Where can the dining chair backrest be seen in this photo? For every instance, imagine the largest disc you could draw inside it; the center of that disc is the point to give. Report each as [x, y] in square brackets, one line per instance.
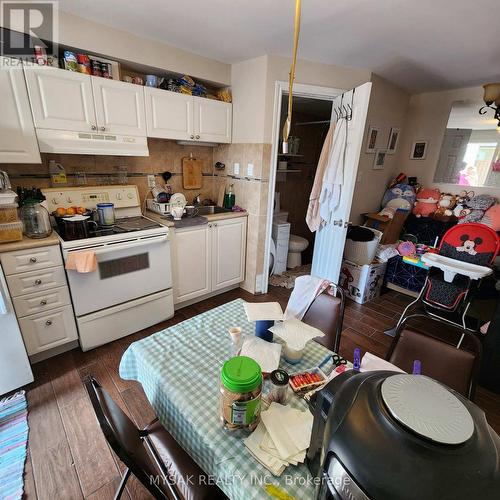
[439, 358]
[326, 313]
[124, 437]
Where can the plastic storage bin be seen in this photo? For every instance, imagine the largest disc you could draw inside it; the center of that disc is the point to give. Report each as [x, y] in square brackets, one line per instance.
[11, 231]
[362, 252]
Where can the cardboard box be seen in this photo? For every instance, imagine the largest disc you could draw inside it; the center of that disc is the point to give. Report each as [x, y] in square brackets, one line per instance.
[362, 283]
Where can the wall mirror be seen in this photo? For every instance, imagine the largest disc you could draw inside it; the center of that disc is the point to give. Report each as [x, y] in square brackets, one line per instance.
[470, 151]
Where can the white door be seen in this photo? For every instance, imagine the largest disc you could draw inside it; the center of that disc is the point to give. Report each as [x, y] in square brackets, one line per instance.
[330, 239]
[212, 120]
[18, 142]
[451, 156]
[169, 115]
[60, 99]
[119, 107]
[191, 262]
[228, 250]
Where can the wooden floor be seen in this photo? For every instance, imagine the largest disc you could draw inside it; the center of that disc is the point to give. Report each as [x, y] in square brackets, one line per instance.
[68, 456]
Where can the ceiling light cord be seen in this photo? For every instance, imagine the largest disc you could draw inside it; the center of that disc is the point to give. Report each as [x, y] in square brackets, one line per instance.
[288, 122]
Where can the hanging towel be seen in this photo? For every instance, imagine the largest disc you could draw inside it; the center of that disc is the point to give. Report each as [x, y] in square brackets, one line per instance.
[84, 261]
[313, 218]
[306, 289]
[333, 177]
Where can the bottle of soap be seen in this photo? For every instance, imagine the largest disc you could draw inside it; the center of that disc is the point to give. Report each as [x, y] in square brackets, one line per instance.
[229, 198]
[57, 174]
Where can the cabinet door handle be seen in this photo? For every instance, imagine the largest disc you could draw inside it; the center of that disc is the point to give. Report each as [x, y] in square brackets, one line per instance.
[48, 322]
[93, 127]
[38, 282]
[43, 302]
[215, 224]
[197, 136]
[191, 136]
[32, 260]
[103, 129]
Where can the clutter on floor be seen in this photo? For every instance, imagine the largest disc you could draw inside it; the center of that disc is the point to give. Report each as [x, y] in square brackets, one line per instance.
[287, 278]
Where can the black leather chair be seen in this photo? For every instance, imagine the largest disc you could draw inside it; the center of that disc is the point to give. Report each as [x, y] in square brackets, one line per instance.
[151, 454]
[326, 313]
[440, 357]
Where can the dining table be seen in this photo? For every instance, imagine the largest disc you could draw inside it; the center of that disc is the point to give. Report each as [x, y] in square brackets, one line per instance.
[179, 370]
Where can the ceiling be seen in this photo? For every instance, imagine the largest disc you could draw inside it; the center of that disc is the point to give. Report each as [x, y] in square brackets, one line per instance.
[420, 45]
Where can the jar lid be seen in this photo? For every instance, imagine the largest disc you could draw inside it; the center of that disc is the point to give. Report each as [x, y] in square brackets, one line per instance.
[241, 374]
[279, 377]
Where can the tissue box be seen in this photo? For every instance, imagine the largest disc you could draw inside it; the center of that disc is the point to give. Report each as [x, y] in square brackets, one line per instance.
[362, 283]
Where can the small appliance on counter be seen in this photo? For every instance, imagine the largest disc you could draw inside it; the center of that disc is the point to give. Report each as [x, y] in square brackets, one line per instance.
[384, 436]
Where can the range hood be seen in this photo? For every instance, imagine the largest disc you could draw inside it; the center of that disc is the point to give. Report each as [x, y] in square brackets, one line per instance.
[84, 143]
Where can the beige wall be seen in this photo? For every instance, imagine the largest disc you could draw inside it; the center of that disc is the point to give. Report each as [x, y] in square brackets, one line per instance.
[388, 108]
[427, 119]
[98, 38]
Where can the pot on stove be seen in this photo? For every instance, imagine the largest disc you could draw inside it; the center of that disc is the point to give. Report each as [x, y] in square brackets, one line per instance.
[106, 214]
[76, 227]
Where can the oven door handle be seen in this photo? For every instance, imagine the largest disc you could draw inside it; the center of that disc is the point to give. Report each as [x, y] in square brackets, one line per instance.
[126, 246]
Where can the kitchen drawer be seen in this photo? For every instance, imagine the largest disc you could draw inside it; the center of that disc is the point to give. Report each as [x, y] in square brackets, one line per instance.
[41, 301]
[31, 259]
[36, 281]
[49, 329]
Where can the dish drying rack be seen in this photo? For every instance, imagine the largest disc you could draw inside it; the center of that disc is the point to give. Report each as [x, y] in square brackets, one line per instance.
[159, 208]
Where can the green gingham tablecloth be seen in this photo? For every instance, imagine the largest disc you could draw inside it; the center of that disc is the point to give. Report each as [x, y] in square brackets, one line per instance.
[179, 370]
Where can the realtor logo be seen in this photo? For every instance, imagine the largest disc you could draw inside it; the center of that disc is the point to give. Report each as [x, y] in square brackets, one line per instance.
[26, 25]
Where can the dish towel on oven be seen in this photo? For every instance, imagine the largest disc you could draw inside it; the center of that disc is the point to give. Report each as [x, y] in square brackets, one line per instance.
[84, 261]
[333, 177]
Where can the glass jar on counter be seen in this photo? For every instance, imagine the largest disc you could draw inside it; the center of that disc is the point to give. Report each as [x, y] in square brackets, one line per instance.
[240, 394]
[36, 220]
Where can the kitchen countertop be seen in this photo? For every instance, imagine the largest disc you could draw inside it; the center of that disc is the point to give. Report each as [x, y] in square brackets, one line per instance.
[26, 243]
[211, 218]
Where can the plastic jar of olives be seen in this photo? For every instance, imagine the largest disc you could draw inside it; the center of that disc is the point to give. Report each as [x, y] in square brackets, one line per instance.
[240, 392]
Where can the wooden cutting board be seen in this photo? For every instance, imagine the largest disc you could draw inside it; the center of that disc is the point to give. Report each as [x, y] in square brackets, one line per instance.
[191, 173]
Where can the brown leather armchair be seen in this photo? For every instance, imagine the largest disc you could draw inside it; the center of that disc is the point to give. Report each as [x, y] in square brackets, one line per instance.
[442, 360]
[326, 313]
[151, 454]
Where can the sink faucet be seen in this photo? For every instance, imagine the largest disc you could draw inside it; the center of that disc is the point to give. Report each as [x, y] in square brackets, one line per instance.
[196, 200]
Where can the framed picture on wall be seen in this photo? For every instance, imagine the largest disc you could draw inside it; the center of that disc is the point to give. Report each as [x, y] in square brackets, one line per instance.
[418, 150]
[379, 160]
[371, 140]
[393, 140]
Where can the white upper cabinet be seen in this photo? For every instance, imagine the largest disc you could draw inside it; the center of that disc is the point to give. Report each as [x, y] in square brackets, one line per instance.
[18, 142]
[168, 114]
[119, 107]
[60, 99]
[212, 120]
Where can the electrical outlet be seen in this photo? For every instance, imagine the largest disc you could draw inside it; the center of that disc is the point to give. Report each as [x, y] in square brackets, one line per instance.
[236, 168]
[250, 169]
[151, 181]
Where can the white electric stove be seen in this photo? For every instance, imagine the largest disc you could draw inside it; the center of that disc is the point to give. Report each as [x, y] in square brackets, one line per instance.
[132, 286]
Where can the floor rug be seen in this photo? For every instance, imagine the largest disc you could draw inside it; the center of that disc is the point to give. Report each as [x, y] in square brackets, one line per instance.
[13, 445]
[287, 279]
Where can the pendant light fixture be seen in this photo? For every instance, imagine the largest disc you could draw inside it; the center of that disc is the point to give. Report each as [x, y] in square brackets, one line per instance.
[288, 121]
[492, 100]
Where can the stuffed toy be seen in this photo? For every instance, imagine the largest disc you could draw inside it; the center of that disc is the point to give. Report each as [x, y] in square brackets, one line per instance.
[446, 204]
[399, 196]
[476, 207]
[491, 217]
[427, 202]
[463, 198]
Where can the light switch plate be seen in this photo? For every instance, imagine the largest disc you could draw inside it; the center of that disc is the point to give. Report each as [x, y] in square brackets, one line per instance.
[151, 181]
[236, 168]
[250, 169]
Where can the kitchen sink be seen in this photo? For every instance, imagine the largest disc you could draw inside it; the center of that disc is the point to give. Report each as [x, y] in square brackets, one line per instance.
[212, 209]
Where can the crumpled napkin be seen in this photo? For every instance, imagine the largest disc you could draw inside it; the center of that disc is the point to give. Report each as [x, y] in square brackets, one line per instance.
[295, 333]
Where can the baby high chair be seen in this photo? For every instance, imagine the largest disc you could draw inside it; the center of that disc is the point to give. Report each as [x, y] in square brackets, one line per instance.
[464, 258]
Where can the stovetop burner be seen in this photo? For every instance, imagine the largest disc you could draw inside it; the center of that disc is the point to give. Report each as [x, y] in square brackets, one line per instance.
[124, 225]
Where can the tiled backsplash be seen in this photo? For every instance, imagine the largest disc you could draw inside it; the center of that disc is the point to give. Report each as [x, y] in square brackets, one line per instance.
[164, 156]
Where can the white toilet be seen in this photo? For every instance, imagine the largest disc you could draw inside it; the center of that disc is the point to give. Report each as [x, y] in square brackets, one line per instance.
[296, 244]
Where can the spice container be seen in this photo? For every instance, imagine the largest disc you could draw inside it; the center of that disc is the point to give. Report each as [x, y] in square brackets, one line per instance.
[83, 63]
[240, 393]
[11, 231]
[8, 213]
[278, 386]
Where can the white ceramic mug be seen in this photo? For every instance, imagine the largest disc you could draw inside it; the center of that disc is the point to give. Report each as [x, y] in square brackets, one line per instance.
[176, 212]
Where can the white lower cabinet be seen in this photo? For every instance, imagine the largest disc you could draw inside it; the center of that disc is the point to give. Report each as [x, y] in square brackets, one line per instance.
[49, 329]
[208, 258]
